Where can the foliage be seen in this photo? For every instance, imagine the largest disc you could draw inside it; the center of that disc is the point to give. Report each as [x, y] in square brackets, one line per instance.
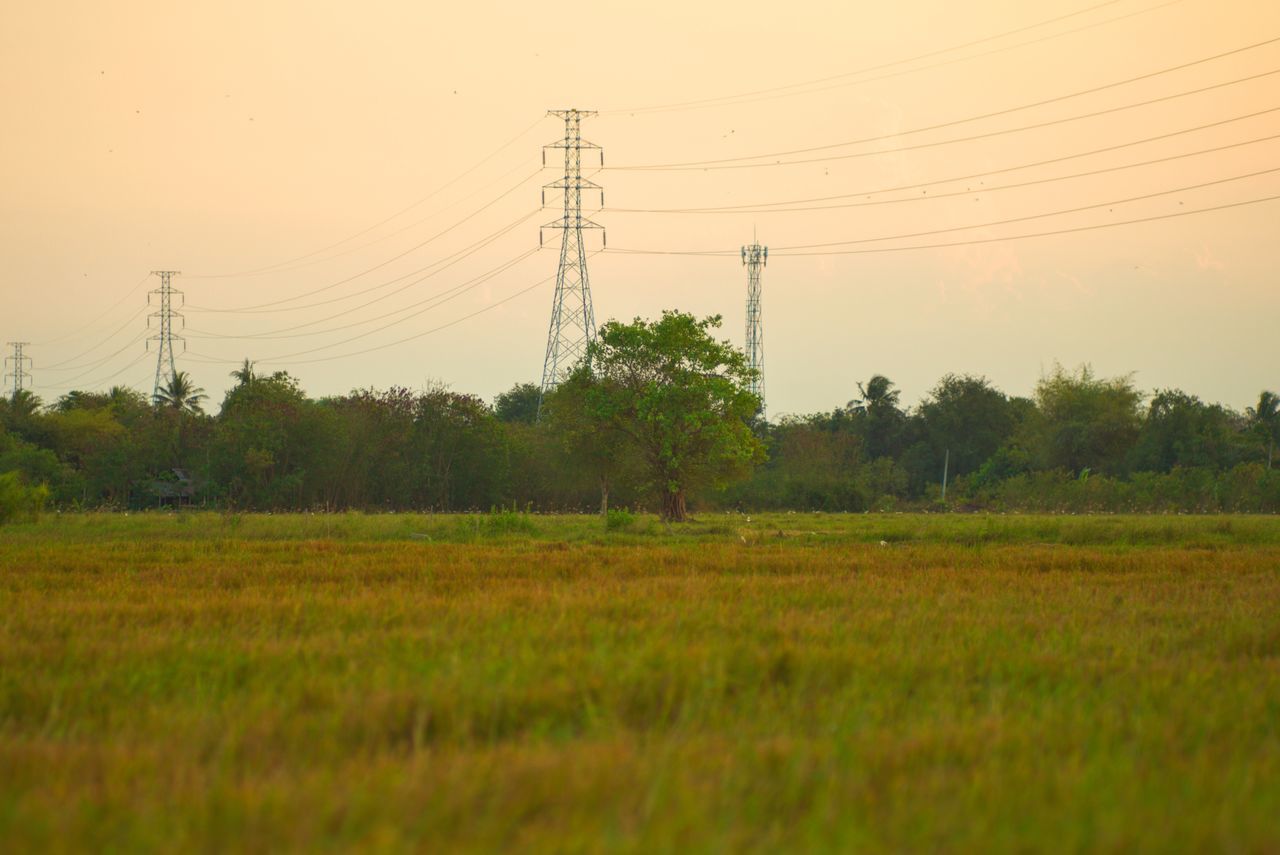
[966, 420]
[180, 394]
[1083, 443]
[20, 502]
[1182, 431]
[617, 519]
[1085, 422]
[519, 404]
[681, 400]
[600, 449]
[880, 420]
[1264, 420]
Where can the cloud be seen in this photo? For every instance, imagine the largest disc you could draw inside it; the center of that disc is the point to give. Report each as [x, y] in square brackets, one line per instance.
[983, 276]
[979, 265]
[1206, 260]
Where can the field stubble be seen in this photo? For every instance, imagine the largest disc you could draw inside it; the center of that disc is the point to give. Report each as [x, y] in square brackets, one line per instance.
[892, 682]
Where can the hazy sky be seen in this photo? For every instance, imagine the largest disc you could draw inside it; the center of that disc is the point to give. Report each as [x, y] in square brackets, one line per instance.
[224, 138]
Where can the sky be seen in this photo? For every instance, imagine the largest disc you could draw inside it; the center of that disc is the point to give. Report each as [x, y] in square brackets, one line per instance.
[339, 182]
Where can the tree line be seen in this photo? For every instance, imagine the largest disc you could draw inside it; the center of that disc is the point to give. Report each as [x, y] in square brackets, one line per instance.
[659, 419]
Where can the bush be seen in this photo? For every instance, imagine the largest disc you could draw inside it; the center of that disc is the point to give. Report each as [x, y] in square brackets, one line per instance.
[496, 523]
[19, 502]
[618, 519]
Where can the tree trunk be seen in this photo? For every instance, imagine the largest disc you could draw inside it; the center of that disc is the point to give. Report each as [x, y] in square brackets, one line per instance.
[673, 506]
[604, 496]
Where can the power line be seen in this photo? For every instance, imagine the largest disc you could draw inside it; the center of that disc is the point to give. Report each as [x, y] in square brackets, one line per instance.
[455, 322]
[405, 228]
[74, 383]
[288, 357]
[380, 265]
[1188, 188]
[975, 241]
[442, 296]
[785, 91]
[435, 268]
[967, 191]
[274, 268]
[766, 207]
[63, 365]
[94, 322]
[737, 162]
[1055, 232]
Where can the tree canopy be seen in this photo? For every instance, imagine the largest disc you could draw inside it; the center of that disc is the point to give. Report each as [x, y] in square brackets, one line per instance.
[680, 397]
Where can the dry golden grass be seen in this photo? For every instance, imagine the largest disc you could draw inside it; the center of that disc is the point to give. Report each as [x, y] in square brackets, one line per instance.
[974, 684]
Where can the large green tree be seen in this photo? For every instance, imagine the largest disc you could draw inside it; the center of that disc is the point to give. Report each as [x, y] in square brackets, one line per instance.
[1180, 430]
[680, 397]
[1086, 422]
[963, 420]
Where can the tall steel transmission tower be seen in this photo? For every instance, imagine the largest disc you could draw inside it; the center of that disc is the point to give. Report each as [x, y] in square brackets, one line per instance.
[755, 257]
[573, 322]
[19, 373]
[166, 368]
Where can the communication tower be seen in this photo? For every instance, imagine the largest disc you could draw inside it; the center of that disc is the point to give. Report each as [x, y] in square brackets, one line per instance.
[755, 257]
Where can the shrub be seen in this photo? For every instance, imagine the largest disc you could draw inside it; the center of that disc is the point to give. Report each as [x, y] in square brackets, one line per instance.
[18, 501]
[618, 519]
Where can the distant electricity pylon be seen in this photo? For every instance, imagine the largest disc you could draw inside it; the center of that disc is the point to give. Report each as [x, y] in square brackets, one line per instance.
[166, 368]
[19, 373]
[755, 257]
[573, 322]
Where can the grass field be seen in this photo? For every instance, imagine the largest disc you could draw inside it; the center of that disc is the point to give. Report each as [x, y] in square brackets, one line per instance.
[798, 682]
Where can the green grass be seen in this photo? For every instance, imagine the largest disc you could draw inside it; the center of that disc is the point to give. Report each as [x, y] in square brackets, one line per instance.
[206, 681]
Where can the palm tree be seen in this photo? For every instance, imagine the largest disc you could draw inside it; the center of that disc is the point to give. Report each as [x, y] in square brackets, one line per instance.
[180, 394]
[1265, 421]
[244, 374]
[876, 395]
[24, 403]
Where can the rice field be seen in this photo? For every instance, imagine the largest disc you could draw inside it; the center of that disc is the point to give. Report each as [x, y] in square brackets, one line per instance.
[203, 681]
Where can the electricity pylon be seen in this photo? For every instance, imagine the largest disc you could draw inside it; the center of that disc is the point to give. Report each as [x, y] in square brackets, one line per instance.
[755, 257]
[19, 373]
[573, 322]
[166, 368]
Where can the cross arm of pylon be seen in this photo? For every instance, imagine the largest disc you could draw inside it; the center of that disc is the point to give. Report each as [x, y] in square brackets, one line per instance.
[573, 223]
[572, 184]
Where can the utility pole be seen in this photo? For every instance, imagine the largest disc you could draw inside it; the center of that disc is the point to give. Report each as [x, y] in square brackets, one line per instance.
[166, 368]
[946, 465]
[20, 375]
[755, 257]
[573, 322]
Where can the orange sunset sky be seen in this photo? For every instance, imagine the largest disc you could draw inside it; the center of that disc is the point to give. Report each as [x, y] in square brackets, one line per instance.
[272, 149]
